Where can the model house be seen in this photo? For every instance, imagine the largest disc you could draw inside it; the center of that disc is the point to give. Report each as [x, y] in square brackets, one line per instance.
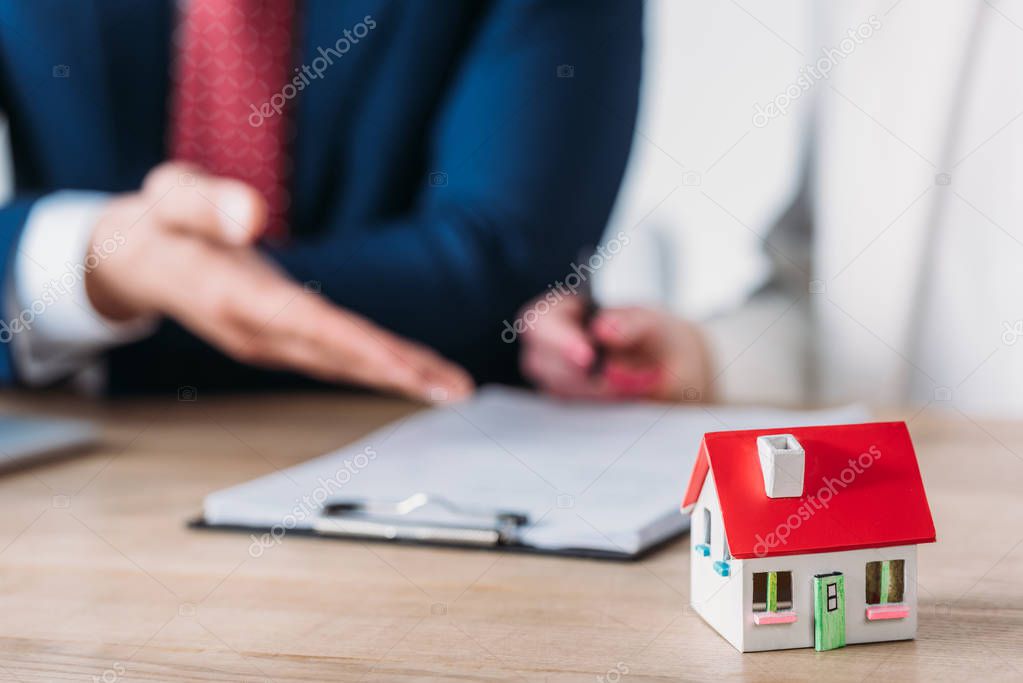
[806, 537]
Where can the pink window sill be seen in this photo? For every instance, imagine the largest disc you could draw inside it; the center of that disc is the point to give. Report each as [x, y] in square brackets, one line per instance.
[878, 612]
[767, 618]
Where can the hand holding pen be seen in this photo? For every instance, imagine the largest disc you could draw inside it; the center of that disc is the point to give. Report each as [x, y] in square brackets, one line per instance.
[577, 349]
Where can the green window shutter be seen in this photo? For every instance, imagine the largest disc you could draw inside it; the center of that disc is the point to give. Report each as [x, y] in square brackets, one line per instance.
[886, 580]
[772, 592]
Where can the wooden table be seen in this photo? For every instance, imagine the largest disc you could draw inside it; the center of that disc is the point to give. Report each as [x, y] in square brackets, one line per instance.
[100, 579]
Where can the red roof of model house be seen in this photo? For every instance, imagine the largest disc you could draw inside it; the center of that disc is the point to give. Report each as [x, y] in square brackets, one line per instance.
[862, 489]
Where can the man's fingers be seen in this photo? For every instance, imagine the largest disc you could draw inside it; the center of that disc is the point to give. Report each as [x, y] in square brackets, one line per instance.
[631, 381]
[257, 315]
[365, 363]
[623, 328]
[356, 359]
[444, 380]
[220, 209]
[351, 348]
[409, 368]
[560, 331]
[555, 375]
[404, 368]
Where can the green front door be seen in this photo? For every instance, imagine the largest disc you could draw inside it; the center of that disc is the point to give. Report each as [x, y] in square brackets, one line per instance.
[828, 611]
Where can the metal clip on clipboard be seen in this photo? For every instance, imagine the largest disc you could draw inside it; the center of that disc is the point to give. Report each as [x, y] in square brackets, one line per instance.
[388, 520]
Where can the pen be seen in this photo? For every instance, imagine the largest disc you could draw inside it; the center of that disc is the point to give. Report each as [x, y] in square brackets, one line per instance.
[590, 311]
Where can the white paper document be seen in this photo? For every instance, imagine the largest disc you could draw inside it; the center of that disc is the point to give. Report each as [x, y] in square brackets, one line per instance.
[597, 477]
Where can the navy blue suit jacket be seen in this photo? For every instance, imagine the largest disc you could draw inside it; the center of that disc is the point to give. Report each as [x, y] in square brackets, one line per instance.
[444, 172]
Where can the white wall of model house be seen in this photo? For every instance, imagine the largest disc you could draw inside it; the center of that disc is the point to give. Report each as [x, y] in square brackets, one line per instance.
[726, 602]
[853, 565]
[716, 598]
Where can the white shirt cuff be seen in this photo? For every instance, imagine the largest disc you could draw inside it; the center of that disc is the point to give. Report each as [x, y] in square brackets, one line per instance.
[55, 330]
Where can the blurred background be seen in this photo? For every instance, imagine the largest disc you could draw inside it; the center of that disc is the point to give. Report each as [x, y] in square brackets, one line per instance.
[829, 193]
[705, 67]
[867, 225]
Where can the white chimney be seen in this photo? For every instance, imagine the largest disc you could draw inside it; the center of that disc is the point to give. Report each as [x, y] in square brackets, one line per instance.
[783, 462]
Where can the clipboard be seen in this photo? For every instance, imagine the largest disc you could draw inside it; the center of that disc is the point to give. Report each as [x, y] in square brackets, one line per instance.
[516, 548]
[479, 529]
[508, 471]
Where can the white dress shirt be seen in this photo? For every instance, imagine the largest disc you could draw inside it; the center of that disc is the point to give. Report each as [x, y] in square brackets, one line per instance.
[56, 332]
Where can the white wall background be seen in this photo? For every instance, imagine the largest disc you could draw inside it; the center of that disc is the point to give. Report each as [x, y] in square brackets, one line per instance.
[703, 182]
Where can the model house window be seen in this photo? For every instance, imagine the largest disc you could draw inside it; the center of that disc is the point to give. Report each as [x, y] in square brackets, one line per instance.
[759, 591]
[704, 548]
[772, 591]
[886, 581]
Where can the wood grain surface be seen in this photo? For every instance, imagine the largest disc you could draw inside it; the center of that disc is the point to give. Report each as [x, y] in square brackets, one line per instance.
[101, 580]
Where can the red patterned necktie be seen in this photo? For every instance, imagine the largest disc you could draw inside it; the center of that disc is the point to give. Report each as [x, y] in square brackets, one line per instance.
[229, 114]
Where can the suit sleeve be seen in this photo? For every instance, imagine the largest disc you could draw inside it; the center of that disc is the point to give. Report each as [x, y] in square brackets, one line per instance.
[13, 215]
[525, 161]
